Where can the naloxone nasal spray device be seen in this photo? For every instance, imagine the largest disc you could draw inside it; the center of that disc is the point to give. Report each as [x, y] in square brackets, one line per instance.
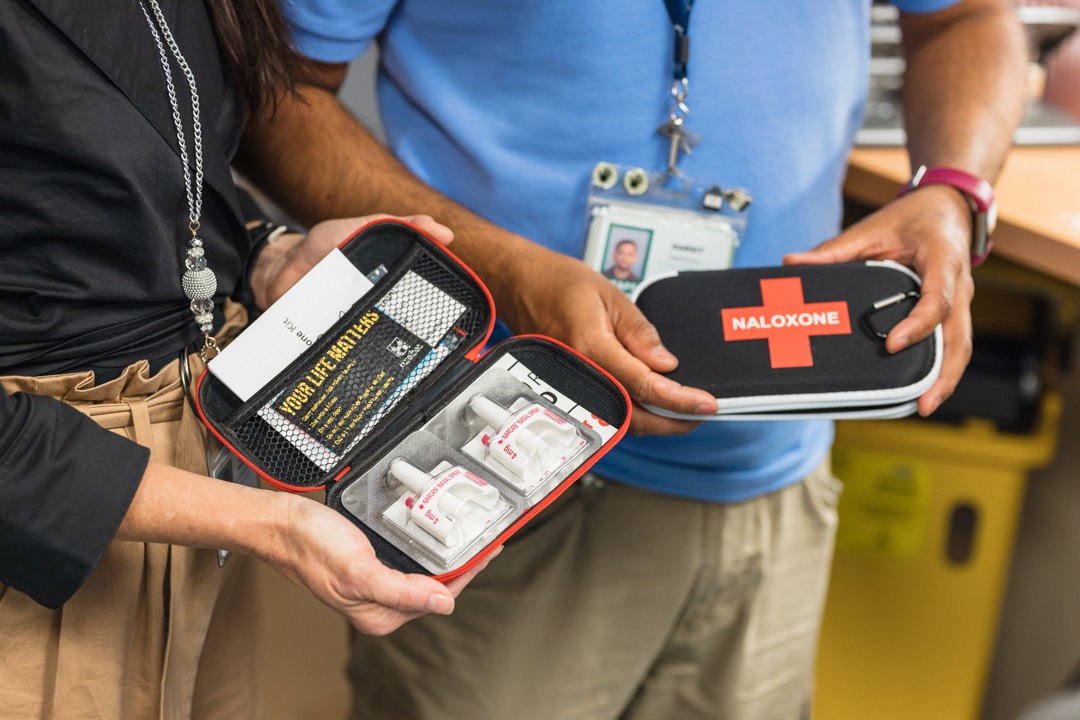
[445, 503]
[532, 442]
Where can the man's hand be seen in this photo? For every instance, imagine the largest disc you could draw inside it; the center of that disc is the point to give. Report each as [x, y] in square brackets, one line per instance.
[564, 298]
[963, 95]
[280, 265]
[928, 230]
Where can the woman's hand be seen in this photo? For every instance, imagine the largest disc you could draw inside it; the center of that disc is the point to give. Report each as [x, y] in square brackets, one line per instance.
[322, 552]
[307, 542]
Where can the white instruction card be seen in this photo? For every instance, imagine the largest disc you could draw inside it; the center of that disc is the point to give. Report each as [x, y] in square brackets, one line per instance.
[289, 326]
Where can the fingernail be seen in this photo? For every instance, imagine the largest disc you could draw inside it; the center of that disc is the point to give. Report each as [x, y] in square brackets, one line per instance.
[706, 408]
[901, 342]
[932, 406]
[440, 604]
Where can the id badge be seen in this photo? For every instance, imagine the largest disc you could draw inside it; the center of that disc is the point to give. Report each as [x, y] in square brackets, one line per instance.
[643, 224]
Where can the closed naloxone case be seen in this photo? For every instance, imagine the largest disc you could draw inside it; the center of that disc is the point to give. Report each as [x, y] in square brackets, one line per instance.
[794, 341]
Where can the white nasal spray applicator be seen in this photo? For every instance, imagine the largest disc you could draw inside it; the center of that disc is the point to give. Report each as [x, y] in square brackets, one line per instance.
[532, 442]
[441, 502]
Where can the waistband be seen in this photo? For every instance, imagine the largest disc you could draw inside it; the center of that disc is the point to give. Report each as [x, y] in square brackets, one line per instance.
[106, 373]
[108, 385]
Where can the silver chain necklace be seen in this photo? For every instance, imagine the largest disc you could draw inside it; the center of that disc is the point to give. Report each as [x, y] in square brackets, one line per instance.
[199, 281]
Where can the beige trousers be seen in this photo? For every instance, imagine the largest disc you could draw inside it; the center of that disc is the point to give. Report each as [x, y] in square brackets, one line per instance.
[157, 631]
[619, 603]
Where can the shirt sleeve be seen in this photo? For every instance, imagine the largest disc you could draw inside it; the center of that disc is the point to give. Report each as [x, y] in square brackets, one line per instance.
[65, 486]
[337, 31]
[923, 6]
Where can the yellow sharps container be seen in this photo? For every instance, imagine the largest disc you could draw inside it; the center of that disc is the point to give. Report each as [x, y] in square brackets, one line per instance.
[927, 523]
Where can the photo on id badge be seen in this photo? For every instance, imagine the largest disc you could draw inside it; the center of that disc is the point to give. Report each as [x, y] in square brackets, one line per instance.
[626, 255]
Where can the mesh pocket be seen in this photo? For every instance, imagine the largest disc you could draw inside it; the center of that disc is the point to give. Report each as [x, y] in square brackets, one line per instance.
[303, 426]
[276, 455]
[475, 317]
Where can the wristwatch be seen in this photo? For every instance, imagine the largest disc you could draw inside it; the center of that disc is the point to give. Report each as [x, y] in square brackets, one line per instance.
[980, 196]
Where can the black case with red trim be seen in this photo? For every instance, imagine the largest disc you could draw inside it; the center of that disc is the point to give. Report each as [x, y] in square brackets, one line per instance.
[785, 342]
[428, 420]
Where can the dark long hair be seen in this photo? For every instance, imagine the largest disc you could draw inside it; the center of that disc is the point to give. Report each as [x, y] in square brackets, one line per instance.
[257, 44]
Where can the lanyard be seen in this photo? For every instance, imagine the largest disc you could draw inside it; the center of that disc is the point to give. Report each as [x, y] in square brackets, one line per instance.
[682, 139]
[679, 12]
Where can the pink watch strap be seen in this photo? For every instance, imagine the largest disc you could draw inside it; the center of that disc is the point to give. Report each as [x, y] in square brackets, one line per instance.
[979, 193]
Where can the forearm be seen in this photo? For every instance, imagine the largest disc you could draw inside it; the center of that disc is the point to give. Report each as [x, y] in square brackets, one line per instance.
[318, 162]
[310, 544]
[964, 85]
[182, 508]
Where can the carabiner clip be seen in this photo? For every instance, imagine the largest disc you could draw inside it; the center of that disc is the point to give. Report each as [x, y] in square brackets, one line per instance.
[883, 304]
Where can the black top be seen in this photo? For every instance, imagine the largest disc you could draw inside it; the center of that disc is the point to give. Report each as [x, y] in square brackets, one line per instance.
[91, 255]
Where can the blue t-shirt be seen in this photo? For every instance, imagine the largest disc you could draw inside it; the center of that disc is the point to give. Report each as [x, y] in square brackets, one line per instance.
[506, 106]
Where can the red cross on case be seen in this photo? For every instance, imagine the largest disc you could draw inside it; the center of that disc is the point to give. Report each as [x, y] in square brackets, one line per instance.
[786, 321]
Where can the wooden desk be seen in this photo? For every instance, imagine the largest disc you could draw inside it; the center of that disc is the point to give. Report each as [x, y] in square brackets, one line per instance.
[1038, 202]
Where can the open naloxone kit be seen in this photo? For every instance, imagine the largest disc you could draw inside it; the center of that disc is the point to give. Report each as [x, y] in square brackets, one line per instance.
[796, 341]
[437, 453]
